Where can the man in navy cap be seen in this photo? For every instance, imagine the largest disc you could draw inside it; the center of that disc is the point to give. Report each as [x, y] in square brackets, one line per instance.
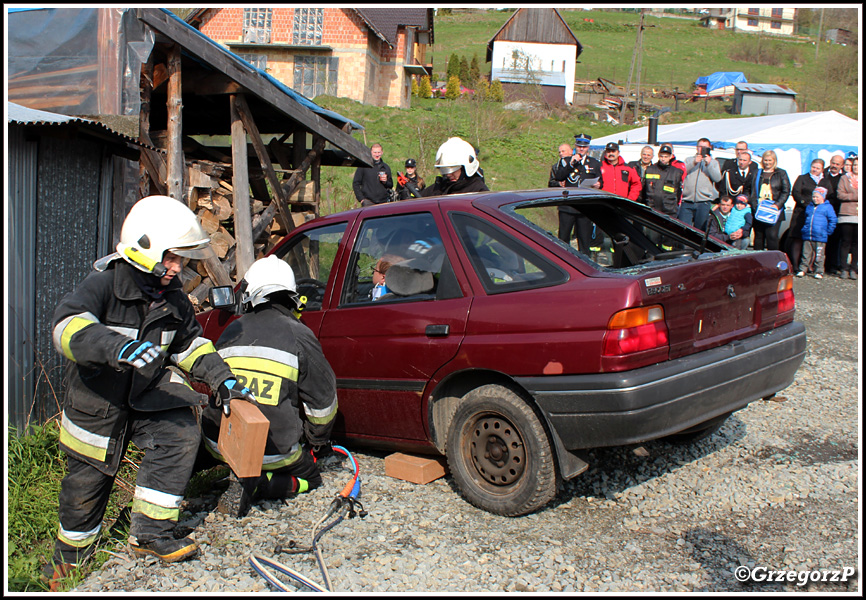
[579, 170]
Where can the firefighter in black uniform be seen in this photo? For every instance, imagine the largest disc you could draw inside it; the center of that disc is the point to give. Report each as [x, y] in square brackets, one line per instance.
[663, 189]
[460, 171]
[280, 360]
[127, 331]
[578, 171]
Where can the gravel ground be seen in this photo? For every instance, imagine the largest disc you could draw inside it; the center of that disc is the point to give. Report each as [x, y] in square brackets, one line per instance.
[777, 488]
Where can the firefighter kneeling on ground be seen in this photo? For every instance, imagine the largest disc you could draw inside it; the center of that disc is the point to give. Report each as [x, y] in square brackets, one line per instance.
[280, 359]
[127, 331]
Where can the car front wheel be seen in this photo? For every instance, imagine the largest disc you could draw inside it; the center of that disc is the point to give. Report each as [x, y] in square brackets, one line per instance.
[499, 453]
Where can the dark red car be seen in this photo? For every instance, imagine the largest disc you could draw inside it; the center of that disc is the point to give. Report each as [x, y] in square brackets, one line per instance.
[509, 351]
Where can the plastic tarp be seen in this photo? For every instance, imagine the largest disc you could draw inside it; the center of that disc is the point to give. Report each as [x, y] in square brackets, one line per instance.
[797, 138]
[87, 61]
[721, 79]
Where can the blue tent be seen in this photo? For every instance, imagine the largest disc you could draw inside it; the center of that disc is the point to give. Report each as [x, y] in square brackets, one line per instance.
[720, 79]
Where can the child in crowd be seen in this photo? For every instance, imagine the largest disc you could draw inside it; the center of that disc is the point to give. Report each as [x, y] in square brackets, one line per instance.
[729, 224]
[820, 223]
[738, 227]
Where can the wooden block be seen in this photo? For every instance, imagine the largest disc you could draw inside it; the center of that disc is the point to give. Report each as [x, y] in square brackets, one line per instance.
[242, 438]
[417, 469]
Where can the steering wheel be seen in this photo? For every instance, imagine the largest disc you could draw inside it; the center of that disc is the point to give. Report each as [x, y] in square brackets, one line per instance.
[318, 286]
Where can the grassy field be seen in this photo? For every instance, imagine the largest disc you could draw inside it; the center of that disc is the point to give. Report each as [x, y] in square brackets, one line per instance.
[517, 147]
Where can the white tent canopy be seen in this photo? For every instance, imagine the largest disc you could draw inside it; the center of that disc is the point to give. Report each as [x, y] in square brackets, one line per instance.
[797, 138]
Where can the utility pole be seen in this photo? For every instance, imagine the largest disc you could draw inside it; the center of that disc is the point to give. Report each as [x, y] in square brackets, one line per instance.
[637, 50]
[820, 24]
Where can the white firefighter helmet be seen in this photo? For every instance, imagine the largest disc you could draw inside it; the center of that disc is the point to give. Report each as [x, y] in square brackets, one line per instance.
[267, 276]
[157, 224]
[456, 153]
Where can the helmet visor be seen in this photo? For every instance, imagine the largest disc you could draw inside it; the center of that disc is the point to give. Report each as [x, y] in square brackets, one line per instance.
[448, 170]
[200, 252]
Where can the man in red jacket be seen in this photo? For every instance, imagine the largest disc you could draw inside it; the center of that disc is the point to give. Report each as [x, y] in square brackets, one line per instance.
[618, 177]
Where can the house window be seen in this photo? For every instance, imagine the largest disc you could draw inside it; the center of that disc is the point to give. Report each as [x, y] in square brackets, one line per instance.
[259, 61]
[775, 25]
[752, 22]
[257, 25]
[754, 11]
[307, 26]
[315, 75]
[777, 13]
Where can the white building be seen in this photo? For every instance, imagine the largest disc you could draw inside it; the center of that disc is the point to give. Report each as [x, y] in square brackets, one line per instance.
[535, 50]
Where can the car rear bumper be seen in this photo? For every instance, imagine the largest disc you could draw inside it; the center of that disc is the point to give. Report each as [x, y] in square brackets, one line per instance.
[590, 411]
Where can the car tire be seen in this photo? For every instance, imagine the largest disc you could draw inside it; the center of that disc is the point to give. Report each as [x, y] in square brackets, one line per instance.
[500, 454]
[698, 432]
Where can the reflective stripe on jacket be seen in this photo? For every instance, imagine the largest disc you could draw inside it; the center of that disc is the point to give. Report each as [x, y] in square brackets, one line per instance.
[91, 325]
[280, 360]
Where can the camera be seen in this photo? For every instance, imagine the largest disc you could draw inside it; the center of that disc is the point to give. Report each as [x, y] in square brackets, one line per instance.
[705, 151]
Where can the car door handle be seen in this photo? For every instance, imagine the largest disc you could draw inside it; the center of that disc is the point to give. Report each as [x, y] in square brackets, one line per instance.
[437, 330]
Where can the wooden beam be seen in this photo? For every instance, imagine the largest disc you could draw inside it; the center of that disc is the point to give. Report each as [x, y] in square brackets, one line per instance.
[241, 192]
[210, 53]
[174, 104]
[284, 214]
[155, 167]
[316, 177]
[145, 89]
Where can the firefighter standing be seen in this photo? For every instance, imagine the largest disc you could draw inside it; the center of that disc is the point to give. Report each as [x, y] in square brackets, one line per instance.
[127, 331]
[281, 361]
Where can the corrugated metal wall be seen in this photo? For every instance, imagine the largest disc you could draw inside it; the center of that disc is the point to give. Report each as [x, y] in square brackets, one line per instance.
[20, 285]
[60, 213]
[67, 230]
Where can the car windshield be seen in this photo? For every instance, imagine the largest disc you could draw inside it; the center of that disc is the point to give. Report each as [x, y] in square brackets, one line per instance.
[617, 235]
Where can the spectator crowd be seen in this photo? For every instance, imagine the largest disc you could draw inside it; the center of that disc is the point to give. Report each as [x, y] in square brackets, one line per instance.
[740, 201]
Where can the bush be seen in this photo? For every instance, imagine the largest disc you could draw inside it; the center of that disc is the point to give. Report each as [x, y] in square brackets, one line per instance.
[414, 87]
[425, 90]
[496, 93]
[452, 89]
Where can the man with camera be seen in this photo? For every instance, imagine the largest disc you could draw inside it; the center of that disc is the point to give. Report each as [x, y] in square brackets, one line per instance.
[699, 187]
[578, 170]
[373, 185]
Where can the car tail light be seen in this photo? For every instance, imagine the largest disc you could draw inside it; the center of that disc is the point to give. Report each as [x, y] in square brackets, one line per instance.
[785, 300]
[636, 330]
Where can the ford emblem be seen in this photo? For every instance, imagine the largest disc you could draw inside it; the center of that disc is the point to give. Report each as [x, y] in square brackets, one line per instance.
[782, 265]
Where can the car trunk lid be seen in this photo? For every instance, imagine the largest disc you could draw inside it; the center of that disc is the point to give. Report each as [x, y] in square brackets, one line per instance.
[715, 299]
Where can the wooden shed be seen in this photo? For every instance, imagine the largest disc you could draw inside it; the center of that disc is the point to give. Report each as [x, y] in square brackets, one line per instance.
[199, 123]
[534, 55]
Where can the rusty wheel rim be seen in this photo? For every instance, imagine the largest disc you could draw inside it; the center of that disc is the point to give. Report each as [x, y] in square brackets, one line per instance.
[497, 450]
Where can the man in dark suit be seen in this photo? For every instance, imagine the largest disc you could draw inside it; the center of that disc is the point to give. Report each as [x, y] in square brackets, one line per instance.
[738, 178]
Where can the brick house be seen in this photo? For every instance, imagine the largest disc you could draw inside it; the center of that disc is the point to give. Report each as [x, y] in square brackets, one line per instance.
[366, 54]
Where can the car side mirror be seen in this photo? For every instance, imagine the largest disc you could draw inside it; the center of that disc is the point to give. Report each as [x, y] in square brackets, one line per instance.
[223, 297]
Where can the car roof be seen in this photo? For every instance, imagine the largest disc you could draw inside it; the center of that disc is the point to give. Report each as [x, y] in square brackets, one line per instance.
[488, 199]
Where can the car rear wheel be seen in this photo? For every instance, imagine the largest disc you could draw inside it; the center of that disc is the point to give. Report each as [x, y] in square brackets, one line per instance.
[698, 432]
[499, 453]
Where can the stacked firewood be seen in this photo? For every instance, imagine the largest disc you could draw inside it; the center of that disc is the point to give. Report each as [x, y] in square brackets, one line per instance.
[210, 195]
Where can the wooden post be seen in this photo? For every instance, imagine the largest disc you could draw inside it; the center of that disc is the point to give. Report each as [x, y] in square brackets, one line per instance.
[284, 214]
[174, 170]
[241, 192]
[146, 87]
[316, 175]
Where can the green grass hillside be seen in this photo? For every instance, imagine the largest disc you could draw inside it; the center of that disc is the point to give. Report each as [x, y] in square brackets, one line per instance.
[517, 147]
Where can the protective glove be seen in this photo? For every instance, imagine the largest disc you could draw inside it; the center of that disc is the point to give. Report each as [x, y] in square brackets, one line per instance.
[141, 354]
[401, 179]
[229, 390]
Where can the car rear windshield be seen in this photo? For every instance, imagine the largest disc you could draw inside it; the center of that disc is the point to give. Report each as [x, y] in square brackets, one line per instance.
[616, 235]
